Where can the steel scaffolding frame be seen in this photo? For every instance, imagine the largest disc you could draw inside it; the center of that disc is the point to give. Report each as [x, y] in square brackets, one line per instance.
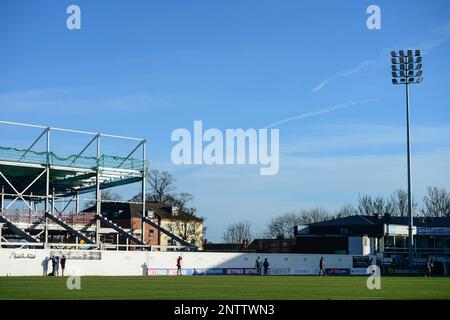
[75, 180]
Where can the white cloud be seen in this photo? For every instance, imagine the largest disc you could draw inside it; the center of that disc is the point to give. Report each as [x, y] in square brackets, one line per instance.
[431, 40]
[319, 112]
[344, 73]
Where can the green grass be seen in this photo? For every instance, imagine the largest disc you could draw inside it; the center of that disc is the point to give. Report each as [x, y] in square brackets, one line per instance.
[225, 287]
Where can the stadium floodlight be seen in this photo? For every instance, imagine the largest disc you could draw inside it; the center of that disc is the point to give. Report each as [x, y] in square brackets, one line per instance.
[407, 69]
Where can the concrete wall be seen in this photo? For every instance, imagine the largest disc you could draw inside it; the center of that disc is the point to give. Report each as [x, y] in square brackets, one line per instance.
[20, 262]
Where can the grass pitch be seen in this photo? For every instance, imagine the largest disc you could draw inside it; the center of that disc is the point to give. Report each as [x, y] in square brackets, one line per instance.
[225, 287]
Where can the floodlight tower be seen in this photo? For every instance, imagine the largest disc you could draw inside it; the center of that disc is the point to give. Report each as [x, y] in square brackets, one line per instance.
[407, 69]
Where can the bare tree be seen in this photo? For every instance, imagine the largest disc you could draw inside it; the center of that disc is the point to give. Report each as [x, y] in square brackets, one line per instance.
[187, 223]
[346, 211]
[399, 203]
[282, 227]
[381, 206]
[313, 215]
[237, 232]
[369, 206]
[436, 203]
[161, 185]
[365, 205]
[181, 201]
[188, 227]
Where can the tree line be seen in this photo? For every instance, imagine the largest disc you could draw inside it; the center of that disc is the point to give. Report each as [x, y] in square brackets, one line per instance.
[435, 203]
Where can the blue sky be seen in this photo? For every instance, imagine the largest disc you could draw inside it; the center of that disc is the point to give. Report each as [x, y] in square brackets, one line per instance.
[146, 68]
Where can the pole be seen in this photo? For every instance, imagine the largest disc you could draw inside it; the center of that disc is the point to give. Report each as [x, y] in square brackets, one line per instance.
[410, 215]
[98, 196]
[2, 199]
[77, 203]
[143, 193]
[47, 187]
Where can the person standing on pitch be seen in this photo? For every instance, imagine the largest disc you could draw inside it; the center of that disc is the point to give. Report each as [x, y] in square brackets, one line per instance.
[53, 260]
[429, 267]
[45, 266]
[56, 266]
[258, 266]
[266, 266]
[322, 267]
[179, 265]
[63, 264]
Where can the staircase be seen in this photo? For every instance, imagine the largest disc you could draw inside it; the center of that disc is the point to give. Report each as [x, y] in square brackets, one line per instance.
[120, 230]
[21, 233]
[71, 230]
[169, 234]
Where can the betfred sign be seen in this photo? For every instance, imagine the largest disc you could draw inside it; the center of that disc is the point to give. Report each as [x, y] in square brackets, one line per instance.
[337, 271]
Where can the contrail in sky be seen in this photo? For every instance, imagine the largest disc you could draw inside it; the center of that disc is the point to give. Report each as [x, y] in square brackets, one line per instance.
[320, 112]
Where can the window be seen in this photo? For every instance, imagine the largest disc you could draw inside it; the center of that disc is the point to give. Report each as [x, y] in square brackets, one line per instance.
[151, 234]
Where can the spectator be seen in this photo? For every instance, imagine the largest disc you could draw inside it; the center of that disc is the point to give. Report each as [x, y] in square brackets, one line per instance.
[322, 267]
[63, 264]
[266, 266]
[45, 266]
[56, 266]
[179, 265]
[429, 270]
[258, 266]
[53, 259]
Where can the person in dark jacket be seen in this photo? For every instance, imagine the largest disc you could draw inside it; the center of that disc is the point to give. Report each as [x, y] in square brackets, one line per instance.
[266, 267]
[63, 264]
[322, 267]
[53, 260]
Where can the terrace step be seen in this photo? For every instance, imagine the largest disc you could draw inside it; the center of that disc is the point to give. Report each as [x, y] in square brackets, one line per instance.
[18, 231]
[68, 228]
[120, 230]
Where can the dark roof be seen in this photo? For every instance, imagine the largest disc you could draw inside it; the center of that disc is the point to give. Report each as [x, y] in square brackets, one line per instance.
[358, 220]
[123, 210]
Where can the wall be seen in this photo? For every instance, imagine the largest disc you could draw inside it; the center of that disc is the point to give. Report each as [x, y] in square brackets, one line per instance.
[18, 262]
[176, 227]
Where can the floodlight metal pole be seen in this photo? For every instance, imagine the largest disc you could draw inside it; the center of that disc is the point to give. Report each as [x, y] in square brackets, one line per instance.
[98, 194]
[410, 215]
[406, 69]
[144, 177]
[47, 187]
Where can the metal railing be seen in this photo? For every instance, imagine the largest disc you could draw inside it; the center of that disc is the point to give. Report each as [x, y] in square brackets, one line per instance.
[425, 251]
[37, 216]
[101, 246]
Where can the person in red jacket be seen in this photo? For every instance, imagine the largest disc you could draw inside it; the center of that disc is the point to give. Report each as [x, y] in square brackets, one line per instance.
[179, 265]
